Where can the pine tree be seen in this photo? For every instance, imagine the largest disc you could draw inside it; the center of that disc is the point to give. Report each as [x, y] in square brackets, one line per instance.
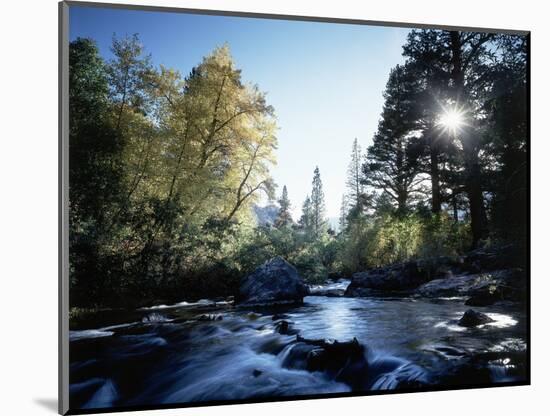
[317, 205]
[389, 166]
[463, 63]
[343, 220]
[353, 182]
[284, 218]
[306, 218]
[507, 115]
[428, 62]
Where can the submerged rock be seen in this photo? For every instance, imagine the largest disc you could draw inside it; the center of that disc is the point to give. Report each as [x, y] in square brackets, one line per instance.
[341, 361]
[485, 368]
[282, 327]
[285, 328]
[275, 282]
[253, 316]
[473, 318]
[392, 373]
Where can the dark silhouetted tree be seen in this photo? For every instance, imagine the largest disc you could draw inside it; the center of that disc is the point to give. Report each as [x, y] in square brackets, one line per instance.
[389, 166]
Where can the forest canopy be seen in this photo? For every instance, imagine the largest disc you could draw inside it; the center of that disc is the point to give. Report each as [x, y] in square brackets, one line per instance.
[167, 171]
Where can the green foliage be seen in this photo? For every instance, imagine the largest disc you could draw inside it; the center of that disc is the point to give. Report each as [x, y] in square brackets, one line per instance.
[391, 166]
[343, 217]
[163, 173]
[309, 263]
[392, 238]
[306, 220]
[164, 170]
[318, 221]
[395, 239]
[96, 181]
[443, 236]
[354, 183]
[314, 259]
[284, 219]
[506, 141]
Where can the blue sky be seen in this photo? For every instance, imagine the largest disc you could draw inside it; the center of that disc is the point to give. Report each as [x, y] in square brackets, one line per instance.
[324, 80]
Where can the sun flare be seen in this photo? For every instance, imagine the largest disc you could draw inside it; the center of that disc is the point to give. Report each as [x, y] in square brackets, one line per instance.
[452, 120]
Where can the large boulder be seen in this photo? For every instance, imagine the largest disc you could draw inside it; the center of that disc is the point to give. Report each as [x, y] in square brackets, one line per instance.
[494, 258]
[399, 277]
[482, 288]
[402, 277]
[453, 286]
[274, 282]
[473, 275]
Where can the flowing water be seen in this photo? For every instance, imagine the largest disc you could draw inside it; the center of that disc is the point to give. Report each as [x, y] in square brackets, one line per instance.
[206, 351]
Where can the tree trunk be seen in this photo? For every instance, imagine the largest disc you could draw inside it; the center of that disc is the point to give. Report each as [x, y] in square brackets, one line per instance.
[468, 139]
[455, 207]
[434, 174]
[478, 219]
[402, 201]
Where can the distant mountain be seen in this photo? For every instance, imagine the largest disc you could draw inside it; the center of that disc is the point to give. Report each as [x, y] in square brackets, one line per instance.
[265, 215]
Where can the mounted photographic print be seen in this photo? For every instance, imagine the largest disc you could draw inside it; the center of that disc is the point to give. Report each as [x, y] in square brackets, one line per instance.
[263, 207]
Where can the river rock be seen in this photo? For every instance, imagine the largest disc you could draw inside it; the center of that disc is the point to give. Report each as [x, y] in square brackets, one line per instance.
[402, 277]
[493, 258]
[480, 368]
[468, 275]
[282, 327]
[274, 282]
[398, 277]
[285, 328]
[499, 284]
[342, 361]
[473, 318]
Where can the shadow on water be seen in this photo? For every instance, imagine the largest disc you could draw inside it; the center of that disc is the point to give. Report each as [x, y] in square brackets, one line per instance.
[48, 404]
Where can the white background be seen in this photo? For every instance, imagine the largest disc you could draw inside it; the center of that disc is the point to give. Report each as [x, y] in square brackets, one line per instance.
[28, 205]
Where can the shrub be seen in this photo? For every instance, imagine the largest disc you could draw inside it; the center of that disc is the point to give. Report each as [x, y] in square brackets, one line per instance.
[392, 238]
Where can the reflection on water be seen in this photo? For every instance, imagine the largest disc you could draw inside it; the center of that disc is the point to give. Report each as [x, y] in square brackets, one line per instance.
[501, 320]
[172, 355]
[510, 344]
